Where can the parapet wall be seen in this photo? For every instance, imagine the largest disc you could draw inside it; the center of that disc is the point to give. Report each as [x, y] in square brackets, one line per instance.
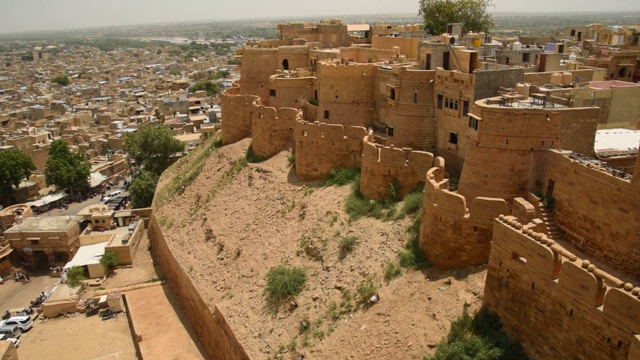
[320, 148]
[272, 129]
[557, 305]
[452, 235]
[346, 93]
[237, 115]
[210, 326]
[383, 166]
[598, 211]
[364, 55]
[8, 214]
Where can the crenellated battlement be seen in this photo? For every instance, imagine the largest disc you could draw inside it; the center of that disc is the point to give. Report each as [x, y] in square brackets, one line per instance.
[452, 234]
[383, 166]
[563, 292]
[237, 115]
[321, 148]
[336, 69]
[272, 129]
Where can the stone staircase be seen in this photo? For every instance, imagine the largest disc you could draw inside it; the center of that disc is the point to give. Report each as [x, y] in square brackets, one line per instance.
[546, 215]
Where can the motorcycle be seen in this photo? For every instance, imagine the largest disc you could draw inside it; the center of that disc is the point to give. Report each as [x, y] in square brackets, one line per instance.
[108, 314]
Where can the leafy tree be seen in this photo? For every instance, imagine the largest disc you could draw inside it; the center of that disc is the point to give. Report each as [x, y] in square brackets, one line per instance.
[153, 147]
[14, 166]
[66, 169]
[76, 274]
[109, 260]
[234, 61]
[473, 14]
[174, 72]
[208, 86]
[62, 80]
[142, 189]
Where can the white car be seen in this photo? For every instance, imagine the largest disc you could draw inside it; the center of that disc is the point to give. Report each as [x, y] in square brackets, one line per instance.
[24, 322]
[15, 341]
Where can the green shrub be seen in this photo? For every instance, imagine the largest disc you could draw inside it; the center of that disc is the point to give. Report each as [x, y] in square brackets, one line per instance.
[479, 338]
[392, 271]
[347, 244]
[283, 281]
[412, 256]
[393, 191]
[291, 160]
[412, 202]
[366, 289]
[109, 260]
[61, 80]
[313, 102]
[342, 177]
[75, 275]
[253, 157]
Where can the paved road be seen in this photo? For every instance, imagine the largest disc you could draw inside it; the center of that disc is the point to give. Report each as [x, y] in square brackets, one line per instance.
[75, 207]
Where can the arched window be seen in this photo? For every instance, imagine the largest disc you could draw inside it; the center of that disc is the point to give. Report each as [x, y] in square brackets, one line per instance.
[285, 64]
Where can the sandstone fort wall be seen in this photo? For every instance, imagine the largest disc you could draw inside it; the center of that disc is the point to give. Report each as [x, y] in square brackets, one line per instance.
[345, 93]
[598, 211]
[237, 115]
[452, 235]
[290, 92]
[210, 326]
[382, 166]
[411, 111]
[364, 55]
[258, 64]
[272, 129]
[556, 305]
[320, 148]
[504, 152]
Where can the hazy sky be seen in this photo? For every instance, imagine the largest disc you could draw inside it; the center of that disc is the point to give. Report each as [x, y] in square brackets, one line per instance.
[27, 15]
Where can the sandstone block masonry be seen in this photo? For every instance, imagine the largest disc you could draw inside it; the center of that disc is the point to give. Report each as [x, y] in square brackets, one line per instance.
[237, 115]
[320, 148]
[383, 166]
[272, 129]
[452, 235]
[557, 305]
[598, 212]
[210, 326]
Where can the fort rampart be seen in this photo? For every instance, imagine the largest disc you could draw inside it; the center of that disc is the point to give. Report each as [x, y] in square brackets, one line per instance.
[505, 150]
[452, 235]
[557, 305]
[599, 212]
[272, 129]
[210, 326]
[345, 93]
[320, 148]
[237, 115]
[383, 166]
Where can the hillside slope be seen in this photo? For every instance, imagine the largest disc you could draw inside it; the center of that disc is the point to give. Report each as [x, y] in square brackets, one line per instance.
[229, 222]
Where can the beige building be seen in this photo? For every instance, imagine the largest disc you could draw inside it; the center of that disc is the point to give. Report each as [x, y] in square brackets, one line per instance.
[44, 241]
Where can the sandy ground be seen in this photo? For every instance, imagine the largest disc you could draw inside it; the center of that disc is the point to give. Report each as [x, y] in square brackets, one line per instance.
[78, 337]
[258, 218]
[14, 294]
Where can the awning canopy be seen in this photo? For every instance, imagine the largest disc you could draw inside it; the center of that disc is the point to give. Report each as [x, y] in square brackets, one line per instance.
[96, 179]
[87, 255]
[47, 200]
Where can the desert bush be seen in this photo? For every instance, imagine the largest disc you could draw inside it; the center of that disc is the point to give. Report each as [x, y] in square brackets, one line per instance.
[75, 275]
[283, 281]
[342, 177]
[392, 271]
[347, 244]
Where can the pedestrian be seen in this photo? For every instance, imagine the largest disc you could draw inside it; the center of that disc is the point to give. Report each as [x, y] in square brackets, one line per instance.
[26, 275]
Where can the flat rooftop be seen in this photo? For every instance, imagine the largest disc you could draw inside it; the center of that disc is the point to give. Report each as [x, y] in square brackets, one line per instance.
[45, 224]
[616, 142]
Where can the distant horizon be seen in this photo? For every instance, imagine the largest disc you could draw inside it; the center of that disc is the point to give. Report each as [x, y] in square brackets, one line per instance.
[316, 17]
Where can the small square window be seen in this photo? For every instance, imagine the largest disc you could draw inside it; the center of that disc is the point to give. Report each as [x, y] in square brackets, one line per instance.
[440, 99]
[390, 131]
[326, 114]
[453, 138]
[272, 92]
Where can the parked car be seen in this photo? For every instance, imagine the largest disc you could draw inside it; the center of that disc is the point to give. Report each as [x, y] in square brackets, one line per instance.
[10, 331]
[24, 323]
[111, 195]
[15, 341]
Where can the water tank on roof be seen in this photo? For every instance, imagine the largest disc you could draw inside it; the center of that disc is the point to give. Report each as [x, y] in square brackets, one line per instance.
[572, 57]
[517, 46]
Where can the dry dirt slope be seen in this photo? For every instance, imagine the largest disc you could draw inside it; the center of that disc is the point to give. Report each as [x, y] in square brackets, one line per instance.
[232, 223]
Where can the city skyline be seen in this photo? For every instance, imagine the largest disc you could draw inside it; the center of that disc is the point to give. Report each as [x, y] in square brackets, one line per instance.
[40, 15]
